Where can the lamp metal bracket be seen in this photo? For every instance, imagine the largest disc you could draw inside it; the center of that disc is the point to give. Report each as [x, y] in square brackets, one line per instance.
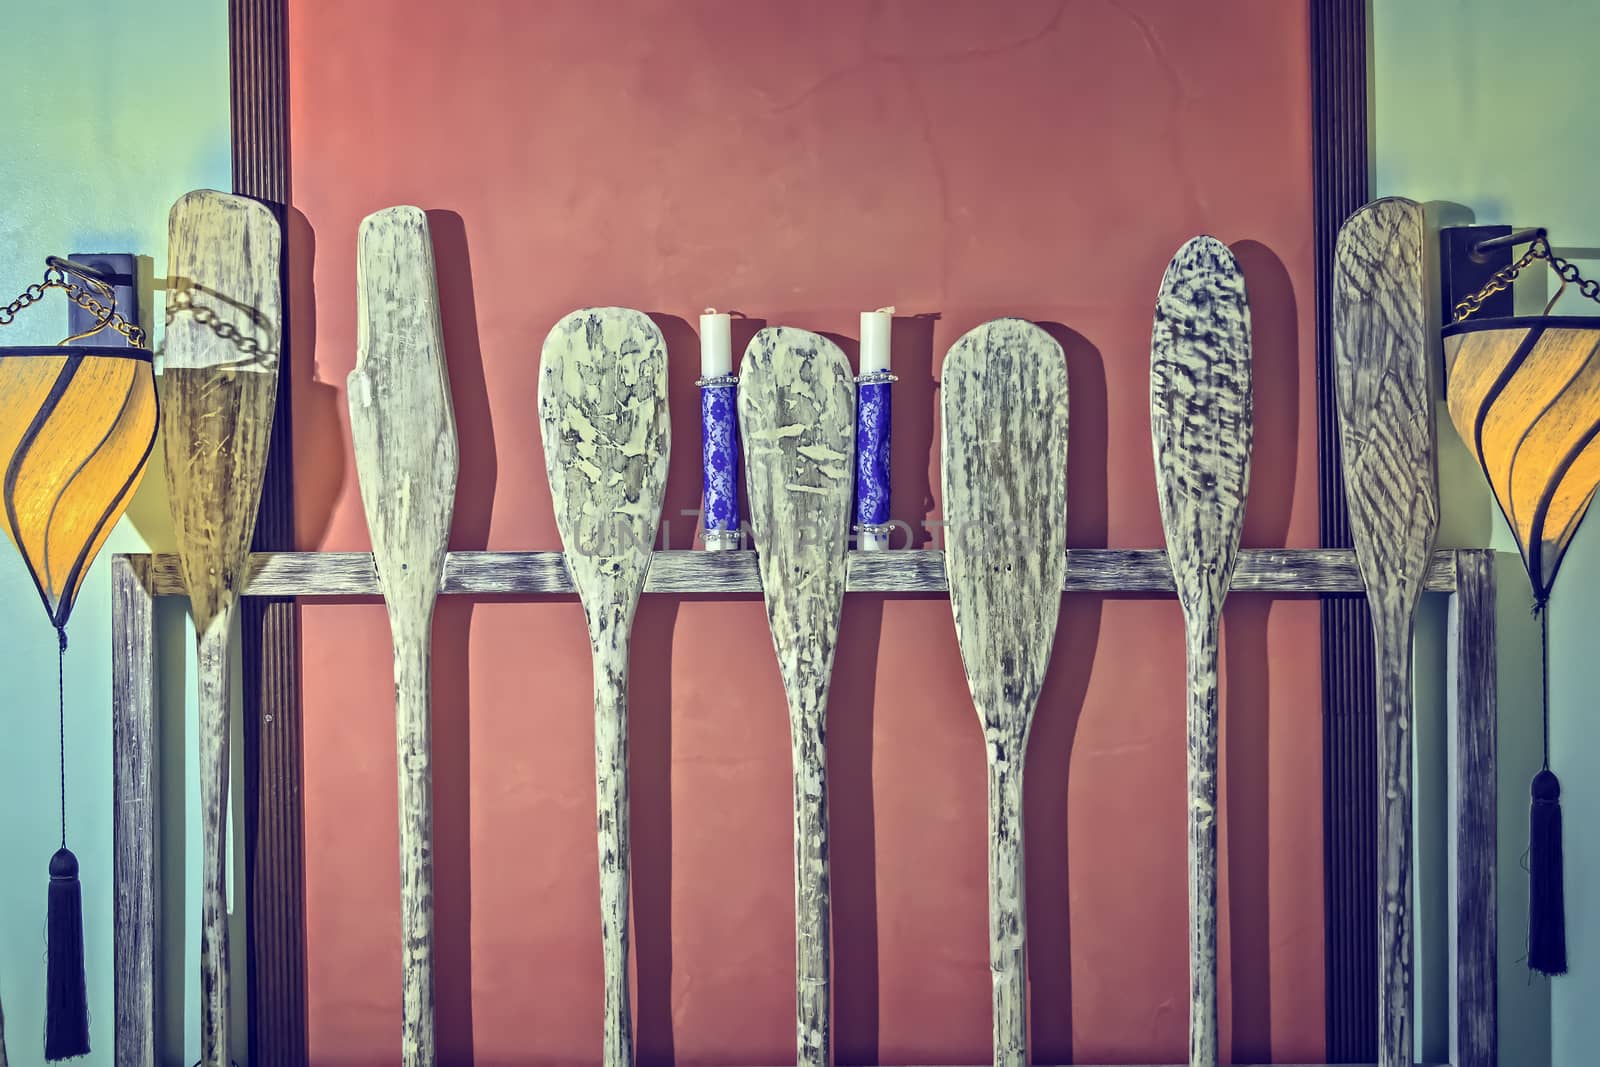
[1468, 258]
[122, 270]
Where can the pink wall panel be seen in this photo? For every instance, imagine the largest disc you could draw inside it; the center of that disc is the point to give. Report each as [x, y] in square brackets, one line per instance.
[801, 163]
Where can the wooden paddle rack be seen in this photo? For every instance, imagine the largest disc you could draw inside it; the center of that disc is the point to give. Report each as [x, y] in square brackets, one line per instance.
[1465, 576]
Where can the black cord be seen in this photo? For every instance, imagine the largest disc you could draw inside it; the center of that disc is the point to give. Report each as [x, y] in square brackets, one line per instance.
[1542, 609]
[61, 721]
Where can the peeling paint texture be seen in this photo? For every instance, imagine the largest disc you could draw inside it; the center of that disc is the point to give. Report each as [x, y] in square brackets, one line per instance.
[797, 420]
[603, 410]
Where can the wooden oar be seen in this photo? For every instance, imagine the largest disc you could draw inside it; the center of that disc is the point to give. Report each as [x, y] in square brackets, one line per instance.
[797, 415]
[603, 406]
[1200, 427]
[1386, 430]
[404, 434]
[217, 394]
[1004, 470]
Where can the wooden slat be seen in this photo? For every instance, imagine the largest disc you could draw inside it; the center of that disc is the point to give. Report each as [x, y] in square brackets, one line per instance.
[135, 788]
[1102, 570]
[1474, 1029]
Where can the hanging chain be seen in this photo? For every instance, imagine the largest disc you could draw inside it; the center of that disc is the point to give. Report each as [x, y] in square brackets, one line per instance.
[105, 314]
[182, 300]
[1502, 278]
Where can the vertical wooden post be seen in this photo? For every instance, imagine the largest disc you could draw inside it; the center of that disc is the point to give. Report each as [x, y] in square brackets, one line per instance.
[1474, 1025]
[274, 865]
[1339, 149]
[135, 767]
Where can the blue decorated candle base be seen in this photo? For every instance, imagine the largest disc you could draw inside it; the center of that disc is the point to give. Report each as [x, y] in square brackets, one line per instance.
[719, 450]
[872, 524]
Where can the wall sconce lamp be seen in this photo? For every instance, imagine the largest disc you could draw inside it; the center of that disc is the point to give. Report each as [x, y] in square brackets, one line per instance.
[77, 422]
[1524, 394]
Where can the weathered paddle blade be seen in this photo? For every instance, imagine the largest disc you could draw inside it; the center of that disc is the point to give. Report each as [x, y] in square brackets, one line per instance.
[219, 386]
[1201, 428]
[1381, 356]
[797, 422]
[218, 391]
[1004, 471]
[603, 406]
[1200, 419]
[402, 426]
[404, 434]
[1381, 373]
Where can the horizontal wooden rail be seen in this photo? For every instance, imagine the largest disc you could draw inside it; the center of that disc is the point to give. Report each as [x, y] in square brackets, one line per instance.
[1095, 570]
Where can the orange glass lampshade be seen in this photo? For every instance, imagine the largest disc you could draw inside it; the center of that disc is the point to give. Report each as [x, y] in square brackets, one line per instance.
[77, 424]
[1524, 394]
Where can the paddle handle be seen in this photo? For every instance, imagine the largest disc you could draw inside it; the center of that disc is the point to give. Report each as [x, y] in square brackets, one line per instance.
[413, 680]
[1008, 937]
[1393, 639]
[215, 685]
[1202, 761]
[611, 823]
[812, 914]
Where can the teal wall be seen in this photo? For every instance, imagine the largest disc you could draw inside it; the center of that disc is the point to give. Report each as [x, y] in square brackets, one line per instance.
[111, 111]
[1479, 108]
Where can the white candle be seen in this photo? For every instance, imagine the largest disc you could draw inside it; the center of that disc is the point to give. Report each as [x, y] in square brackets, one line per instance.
[875, 339]
[716, 344]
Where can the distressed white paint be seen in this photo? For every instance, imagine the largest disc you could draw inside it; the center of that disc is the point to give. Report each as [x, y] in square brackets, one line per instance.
[603, 410]
[1003, 459]
[404, 436]
[136, 787]
[1089, 570]
[1201, 429]
[1388, 444]
[217, 399]
[797, 421]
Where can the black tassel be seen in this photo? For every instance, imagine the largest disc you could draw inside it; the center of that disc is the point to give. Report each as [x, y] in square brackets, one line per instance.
[1547, 920]
[66, 1002]
[66, 1010]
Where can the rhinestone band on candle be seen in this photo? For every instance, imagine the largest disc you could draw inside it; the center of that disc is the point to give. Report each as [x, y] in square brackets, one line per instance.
[719, 449]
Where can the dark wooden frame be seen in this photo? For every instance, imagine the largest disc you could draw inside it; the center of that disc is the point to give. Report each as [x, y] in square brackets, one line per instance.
[274, 874]
[275, 950]
[1349, 678]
